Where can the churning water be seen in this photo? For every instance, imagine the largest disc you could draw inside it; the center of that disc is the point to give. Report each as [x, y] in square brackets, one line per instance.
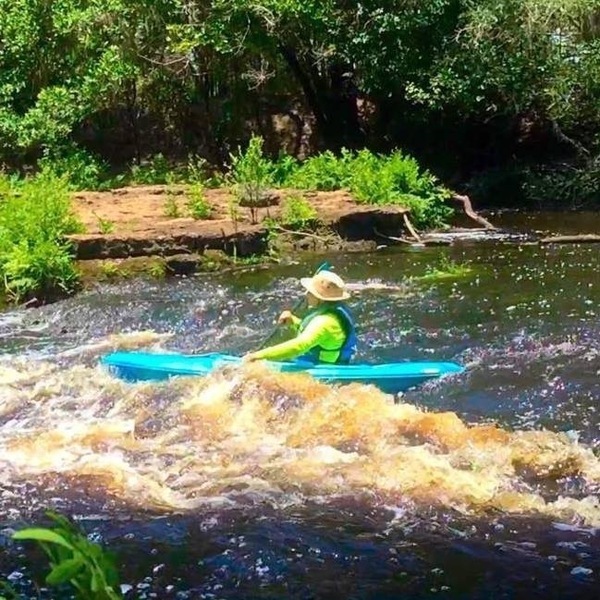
[251, 484]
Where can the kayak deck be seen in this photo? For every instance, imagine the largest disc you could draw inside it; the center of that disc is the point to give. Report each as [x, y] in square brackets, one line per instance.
[389, 377]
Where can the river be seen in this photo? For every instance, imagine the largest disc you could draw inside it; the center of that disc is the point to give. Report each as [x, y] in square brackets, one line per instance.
[251, 484]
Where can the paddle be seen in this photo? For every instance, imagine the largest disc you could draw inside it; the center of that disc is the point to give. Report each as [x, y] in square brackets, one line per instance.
[325, 266]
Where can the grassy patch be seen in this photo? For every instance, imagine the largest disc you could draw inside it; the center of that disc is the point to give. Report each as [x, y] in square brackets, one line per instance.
[297, 212]
[445, 269]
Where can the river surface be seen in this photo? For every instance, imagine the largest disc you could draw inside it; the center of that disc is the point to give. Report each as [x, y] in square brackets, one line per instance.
[251, 484]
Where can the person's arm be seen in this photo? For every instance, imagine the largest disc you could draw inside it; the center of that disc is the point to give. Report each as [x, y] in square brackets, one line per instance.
[301, 344]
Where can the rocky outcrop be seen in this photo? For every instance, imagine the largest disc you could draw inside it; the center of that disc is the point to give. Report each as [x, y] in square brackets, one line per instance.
[244, 242]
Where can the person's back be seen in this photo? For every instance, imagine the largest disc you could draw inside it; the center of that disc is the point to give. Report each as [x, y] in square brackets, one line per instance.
[326, 335]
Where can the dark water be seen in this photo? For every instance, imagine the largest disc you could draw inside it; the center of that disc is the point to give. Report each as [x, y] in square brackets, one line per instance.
[525, 321]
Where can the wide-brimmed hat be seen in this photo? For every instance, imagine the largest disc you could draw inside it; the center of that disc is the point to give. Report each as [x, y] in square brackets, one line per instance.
[326, 286]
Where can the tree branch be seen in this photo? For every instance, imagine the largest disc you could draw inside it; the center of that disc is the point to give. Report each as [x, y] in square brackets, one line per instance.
[468, 208]
[560, 135]
[410, 228]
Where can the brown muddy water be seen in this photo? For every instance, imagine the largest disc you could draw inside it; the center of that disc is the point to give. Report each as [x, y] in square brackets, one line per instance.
[255, 485]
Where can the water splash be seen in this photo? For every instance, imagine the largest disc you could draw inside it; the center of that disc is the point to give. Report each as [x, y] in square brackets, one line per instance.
[242, 437]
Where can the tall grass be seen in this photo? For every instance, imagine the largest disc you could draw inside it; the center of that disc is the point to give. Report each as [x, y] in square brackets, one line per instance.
[35, 258]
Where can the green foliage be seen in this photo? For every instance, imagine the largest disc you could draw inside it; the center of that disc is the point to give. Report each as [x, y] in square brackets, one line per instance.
[171, 206]
[569, 187]
[445, 269]
[196, 171]
[374, 179]
[175, 75]
[85, 566]
[324, 172]
[83, 170]
[297, 213]
[233, 208]
[251, 174]
[35, 258]
[155, 171]
[112, 270]
[105, 225]
[283, 169]
[157, 269]
[198, 205]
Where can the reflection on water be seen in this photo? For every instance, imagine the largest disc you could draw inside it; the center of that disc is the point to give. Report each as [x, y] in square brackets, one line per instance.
[281, 484]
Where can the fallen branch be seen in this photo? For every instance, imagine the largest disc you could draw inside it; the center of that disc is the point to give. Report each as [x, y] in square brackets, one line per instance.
[561, 136]
[391, 237]
[468, 208]
[320, 238]
[571, 239]
[410, 228]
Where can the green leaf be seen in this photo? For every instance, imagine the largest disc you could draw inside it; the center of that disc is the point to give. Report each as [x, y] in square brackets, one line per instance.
[64, 571]
[95, 582]
[42, 535]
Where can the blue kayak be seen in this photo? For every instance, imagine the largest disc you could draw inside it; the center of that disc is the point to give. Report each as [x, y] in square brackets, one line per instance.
[388, 377]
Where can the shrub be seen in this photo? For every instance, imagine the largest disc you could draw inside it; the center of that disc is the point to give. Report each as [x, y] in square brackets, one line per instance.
[372, 179]
[398, 179]
[35, 258]
[251, 174]
[297, 213]
[324, 172]
[152, 172]
[283, 169]
[570, 188]
[198, 205]
[82, 169]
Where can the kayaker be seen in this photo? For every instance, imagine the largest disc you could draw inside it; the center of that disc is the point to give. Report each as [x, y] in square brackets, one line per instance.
[326, 335]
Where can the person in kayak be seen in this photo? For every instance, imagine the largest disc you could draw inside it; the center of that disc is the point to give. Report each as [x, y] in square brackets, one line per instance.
[326, 335]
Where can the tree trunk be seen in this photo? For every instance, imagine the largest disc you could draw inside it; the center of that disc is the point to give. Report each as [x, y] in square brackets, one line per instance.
[332, 100]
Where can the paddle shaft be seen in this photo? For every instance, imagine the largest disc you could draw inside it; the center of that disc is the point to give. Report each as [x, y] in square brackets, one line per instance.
[325, 266]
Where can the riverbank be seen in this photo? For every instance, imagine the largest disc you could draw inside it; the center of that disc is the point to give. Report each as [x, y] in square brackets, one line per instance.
[258, 209]
[147, 229]
[152, 221]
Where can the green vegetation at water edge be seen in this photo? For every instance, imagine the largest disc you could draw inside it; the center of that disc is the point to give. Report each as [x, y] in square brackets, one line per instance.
[35, 258]
[445, 269]
[371, 179]
[297, 212]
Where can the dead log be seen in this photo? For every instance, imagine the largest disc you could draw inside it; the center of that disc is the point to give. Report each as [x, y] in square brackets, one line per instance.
[470, 212]
[586, 238]
[391, 238]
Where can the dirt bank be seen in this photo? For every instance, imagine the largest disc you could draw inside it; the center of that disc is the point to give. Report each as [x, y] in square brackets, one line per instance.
[132, 222]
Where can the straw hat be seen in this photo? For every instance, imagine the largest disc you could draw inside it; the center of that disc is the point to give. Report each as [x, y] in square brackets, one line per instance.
[326, 286]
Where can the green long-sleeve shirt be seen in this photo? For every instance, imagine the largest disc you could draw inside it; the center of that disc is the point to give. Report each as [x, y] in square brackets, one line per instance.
[323, 330]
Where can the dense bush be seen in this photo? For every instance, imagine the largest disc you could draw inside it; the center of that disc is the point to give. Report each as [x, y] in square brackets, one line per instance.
[35, 258]
[372, 179]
